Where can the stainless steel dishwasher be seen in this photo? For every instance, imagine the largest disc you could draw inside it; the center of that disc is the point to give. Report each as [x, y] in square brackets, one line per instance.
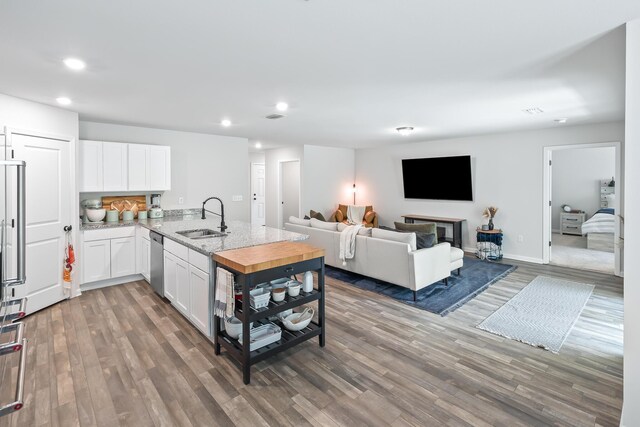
[157, 262]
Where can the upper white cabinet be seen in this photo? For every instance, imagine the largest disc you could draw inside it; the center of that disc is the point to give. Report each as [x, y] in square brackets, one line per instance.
[114, 166]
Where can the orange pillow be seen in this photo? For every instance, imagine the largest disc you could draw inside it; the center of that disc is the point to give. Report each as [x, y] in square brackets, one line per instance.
[369, 216]
[339, 216]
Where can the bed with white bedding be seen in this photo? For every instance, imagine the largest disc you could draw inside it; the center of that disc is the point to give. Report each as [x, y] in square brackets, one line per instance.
[600, 229]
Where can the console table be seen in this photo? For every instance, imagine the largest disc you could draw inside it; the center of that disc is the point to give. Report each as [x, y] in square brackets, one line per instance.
[455, 222]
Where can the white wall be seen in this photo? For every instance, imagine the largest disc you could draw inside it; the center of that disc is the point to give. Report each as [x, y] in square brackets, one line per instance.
[576, 179]
[273, 158]
[23, 114]
[202, 165]
[631, 407]
[328, 177]
[507, 172]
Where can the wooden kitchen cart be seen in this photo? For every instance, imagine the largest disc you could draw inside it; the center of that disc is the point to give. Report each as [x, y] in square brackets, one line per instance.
[258, 264]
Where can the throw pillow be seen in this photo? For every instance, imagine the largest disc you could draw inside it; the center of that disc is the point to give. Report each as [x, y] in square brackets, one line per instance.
[408, 238]
[316, 215]
[423, 240]
[362, 232]
[369, 216]
[316, 223]
[339, 216]
[425, 227]
[298, 221]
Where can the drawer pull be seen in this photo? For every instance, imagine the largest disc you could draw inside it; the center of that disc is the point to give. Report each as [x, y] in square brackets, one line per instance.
[289, 269]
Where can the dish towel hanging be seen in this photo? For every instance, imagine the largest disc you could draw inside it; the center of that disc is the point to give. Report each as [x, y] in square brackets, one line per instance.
[224, 304]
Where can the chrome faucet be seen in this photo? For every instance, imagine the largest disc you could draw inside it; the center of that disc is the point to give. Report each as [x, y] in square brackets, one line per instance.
[223, 226]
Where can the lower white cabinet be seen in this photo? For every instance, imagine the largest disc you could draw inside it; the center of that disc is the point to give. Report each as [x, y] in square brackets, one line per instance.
[123, 256]
[96, 264]
[143, 253]
[187, 287]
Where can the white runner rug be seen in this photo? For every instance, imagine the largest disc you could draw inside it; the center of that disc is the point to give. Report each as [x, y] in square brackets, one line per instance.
[542, 314]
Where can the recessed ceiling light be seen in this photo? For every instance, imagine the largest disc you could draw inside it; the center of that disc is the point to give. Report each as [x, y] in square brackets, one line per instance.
[405, 130]
[75, 64]
[561, 120]
[258, 144]
[226, 123]
[282, 106]
[63, 100]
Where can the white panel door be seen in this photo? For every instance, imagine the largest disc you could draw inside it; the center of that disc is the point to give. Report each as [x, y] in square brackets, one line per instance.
[257, 194]
[138, 167]
[96, 260]
[49, 203]
[123, 256]
[183, 294]
[170, 279]
[114, 166]
[91, 166]
[159, 168]
[199, 311]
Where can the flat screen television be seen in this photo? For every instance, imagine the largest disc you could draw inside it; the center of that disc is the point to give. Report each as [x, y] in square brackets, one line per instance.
[438, 178]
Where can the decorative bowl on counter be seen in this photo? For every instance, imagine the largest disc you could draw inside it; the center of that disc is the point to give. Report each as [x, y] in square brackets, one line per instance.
[298, 321]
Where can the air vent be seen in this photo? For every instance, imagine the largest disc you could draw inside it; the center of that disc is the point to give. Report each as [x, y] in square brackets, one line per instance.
[533, 111]
[274, 116]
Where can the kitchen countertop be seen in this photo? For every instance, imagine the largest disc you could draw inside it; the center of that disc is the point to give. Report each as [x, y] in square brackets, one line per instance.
[239, 234]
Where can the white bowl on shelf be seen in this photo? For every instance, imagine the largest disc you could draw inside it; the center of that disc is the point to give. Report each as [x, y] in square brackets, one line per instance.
[293, 289]
[95, 215]
[288, 322]
[233, 326]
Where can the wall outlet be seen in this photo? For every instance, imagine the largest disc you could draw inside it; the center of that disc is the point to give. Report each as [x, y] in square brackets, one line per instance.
[236, 198]
[181, 200]
[520, 238]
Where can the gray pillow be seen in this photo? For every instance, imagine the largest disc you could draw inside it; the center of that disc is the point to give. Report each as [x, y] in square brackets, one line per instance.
[423, 240]
[423, 227]
[317, 215]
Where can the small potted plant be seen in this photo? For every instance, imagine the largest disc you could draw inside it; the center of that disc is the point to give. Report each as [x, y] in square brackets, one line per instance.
[490, 213]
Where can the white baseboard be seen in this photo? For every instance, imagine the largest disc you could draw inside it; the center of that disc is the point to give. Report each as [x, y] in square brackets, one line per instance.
[472, 250]
[111, 282]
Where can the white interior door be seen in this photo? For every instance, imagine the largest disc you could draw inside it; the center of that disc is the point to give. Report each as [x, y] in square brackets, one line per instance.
[290, 190]
[257, 194]
[48, 210]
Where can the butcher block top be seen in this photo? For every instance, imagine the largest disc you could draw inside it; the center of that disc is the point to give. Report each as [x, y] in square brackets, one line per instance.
[263, 257]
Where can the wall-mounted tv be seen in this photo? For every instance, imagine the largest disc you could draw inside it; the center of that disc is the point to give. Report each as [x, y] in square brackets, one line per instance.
[438, 178]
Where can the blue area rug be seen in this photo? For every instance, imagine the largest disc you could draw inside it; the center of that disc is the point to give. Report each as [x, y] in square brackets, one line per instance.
[475, 277]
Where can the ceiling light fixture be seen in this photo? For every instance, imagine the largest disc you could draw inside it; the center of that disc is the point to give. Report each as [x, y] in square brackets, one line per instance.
[282, 106]
[226, 123]
[405, 130]
[258, 144]
[75, 64]
[561, 120]
[533, 111]
[63, 100]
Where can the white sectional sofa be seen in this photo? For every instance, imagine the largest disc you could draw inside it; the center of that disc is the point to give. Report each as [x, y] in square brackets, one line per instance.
[382, 256]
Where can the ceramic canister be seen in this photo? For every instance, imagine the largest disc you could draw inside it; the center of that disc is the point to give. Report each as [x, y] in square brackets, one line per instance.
[127, 215]
[142, 215]
[113, 215]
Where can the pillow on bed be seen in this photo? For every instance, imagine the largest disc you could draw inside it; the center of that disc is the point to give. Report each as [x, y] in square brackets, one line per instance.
[609, 211]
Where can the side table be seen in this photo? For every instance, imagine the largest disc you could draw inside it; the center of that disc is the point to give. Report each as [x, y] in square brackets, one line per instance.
[489, 244]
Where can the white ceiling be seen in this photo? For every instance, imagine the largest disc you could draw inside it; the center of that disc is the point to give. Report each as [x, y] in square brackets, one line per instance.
[351, 70]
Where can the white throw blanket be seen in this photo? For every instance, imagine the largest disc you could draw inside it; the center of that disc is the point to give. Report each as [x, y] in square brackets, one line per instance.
[355, 214]
[348, 242]
[224, 304]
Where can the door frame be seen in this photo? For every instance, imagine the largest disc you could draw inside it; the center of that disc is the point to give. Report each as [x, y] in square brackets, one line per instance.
[546, 197]
[251, 164]
[280, 163]
[74, 200]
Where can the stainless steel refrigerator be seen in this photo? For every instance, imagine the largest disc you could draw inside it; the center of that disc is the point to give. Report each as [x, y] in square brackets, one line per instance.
[13, 343]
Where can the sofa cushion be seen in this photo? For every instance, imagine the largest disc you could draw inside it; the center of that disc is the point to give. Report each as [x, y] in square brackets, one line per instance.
[316, 215]
[316, 223]
[369, 216]
[409, 238]
[339, 216]
[425, 227]
[299, 221]
[362, 232]
[456, 254]
[423, 240]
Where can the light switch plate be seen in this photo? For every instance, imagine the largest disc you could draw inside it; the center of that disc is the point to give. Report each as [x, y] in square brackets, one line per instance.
[180, 200]
[236, 198]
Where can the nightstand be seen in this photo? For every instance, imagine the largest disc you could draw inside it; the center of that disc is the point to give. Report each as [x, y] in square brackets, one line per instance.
[571, 223]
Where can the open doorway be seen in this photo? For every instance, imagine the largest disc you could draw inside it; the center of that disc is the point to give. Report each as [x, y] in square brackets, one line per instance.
[582, 221]
[289, 190]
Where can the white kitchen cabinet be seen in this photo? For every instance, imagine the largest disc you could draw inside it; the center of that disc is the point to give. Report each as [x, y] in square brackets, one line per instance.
[183, 294]
[170, 273]
[96, 260]
[159, 168]
[138, 167]
[123, 257]
[91, 166]
[146, 259]
[199, 310]
[114, 166]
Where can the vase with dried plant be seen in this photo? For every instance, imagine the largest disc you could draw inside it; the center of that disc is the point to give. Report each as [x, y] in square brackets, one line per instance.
[490, 213]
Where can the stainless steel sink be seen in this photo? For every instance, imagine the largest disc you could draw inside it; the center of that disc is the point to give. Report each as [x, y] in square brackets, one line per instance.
[204, 233]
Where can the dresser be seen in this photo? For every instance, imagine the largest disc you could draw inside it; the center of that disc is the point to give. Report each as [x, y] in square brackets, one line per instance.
[571, 223]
